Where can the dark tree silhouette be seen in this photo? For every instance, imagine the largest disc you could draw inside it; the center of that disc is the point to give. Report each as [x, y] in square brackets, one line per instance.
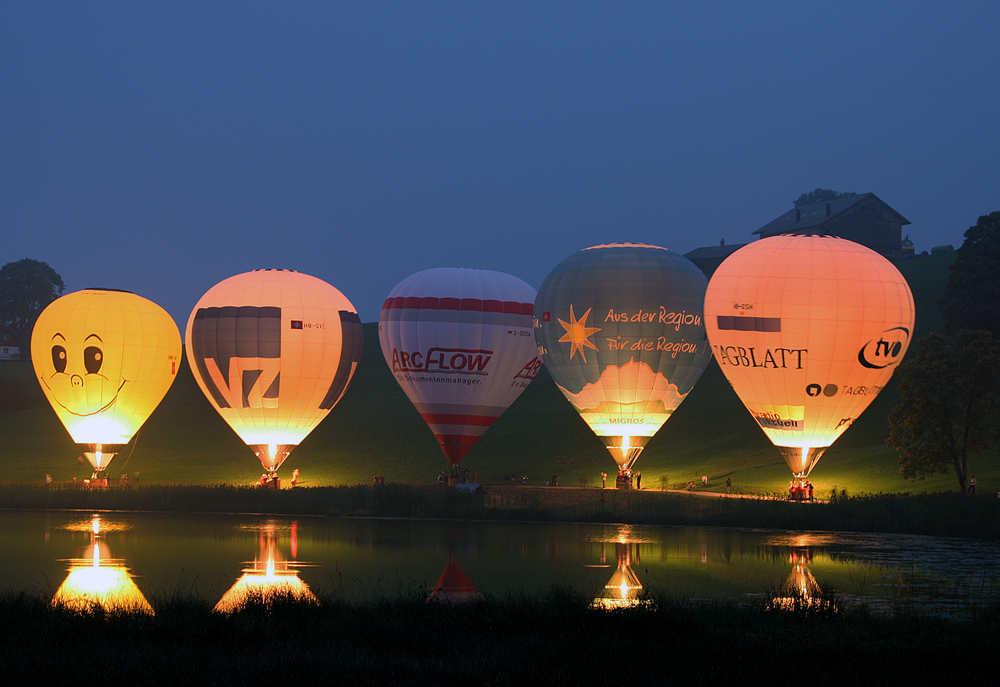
[948, 405]
[26, 287]
[971, 298]
[820, 195]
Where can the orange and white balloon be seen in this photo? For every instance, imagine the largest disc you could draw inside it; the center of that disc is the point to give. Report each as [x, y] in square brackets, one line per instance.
[273, 351]
[808, 330]
[105, 360]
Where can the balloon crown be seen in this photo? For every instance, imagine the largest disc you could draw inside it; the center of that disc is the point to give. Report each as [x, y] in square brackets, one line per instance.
[626, 245]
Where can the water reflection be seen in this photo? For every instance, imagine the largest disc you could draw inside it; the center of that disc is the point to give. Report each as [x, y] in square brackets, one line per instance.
[801, 590]
[270, 577]
[363, 559]
[624, 588]
[454, 586]
[98, 581]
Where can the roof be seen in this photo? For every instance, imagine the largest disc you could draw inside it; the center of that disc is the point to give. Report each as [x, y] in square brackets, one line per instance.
[709, 252]
[815, 215]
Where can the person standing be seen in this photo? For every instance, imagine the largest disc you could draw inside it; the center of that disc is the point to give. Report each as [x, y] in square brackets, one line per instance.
[604, 480]
[638, 480]
[729, 484]
[972, 485]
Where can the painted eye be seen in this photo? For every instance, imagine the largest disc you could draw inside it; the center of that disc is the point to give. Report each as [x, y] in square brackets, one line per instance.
[92, 359]
[59, 358]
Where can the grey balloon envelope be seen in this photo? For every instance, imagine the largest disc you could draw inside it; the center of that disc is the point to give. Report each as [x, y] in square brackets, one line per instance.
[621, 331]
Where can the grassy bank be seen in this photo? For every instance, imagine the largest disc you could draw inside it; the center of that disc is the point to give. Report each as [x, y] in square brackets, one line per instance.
[557, 639]
[930, 514]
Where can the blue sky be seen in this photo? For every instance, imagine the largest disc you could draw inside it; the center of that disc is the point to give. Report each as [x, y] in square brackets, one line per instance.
[162, 147]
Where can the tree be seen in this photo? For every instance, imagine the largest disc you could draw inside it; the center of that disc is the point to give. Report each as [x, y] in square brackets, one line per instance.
[948, 405]
[820, 195]
[26, 287]
[971, 297]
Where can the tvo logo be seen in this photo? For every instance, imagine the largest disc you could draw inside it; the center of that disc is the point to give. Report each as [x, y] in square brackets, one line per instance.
[887, 350]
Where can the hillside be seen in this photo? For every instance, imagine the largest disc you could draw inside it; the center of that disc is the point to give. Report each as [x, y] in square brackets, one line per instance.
[375, 430]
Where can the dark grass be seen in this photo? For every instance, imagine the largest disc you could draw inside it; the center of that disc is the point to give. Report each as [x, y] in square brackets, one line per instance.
[928, 514]
[554, 639]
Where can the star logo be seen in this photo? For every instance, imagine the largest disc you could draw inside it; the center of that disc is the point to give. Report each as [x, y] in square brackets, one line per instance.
[577, 333]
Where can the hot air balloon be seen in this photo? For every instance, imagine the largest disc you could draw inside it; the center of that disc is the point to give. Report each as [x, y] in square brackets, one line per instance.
[459, 343]
[620, 329]
[105, 360]
[808, 330]
[273, 351]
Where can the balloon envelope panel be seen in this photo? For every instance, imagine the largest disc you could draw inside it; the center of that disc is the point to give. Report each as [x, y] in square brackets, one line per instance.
[808, 330]
[620, 329]
[105, 359]
[459, 343]
[273, 350]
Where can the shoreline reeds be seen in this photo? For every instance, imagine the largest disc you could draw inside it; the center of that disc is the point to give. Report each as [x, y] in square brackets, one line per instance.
[946, 514]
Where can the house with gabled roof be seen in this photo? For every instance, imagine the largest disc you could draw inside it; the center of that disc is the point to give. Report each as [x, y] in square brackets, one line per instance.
[9, 348]
[708, 258]
[864, 218]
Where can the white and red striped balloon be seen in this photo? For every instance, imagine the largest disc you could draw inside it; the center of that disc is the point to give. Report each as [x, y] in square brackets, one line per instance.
[460, 344]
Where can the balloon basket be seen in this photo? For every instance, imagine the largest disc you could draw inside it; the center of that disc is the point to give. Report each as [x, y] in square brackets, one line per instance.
[800, 490]
[270, 482]
[624, 480]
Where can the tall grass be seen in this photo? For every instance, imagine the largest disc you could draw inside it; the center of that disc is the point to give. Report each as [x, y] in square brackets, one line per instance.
[555, 639]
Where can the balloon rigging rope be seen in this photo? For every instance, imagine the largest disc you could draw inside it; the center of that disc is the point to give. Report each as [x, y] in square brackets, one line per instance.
[135, 441]
[582, 447]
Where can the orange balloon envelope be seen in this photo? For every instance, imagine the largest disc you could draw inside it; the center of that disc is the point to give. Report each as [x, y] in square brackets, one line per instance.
[808, 330]
[274, 351]
[105, 360]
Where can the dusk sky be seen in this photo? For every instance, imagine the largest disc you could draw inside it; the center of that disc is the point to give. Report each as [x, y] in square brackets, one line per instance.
[162, 147]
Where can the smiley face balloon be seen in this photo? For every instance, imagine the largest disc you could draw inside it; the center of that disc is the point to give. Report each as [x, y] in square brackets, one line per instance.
[105, 359]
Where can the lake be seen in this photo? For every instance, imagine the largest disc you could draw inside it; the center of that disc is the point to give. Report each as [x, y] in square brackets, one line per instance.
[221, 559]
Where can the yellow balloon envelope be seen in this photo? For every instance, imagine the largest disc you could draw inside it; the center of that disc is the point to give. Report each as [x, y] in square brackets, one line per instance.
[274, 351]
[808, 330]
[105, 360]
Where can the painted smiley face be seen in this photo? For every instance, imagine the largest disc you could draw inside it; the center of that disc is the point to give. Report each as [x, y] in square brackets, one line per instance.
[84, 378]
